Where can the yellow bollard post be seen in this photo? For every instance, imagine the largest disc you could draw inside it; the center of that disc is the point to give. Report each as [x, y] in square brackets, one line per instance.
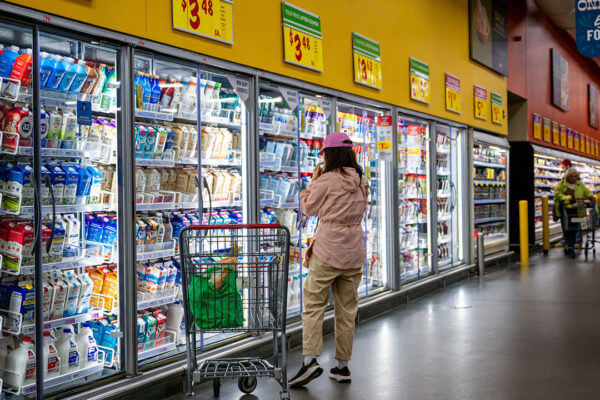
[524, 233]
[545, 225]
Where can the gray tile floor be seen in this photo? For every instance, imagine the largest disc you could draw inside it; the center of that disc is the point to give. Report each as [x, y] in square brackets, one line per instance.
[518, 335]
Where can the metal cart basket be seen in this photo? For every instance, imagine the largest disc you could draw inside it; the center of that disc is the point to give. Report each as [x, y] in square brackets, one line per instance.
[234, 280]
[579, 220]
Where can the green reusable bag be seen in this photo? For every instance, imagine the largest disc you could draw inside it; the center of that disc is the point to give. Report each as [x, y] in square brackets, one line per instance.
[214, 309]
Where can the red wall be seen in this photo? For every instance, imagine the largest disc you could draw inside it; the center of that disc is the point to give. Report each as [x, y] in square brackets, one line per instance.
[530, 73]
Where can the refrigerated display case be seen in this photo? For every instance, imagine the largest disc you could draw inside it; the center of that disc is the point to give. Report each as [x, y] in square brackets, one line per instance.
[80, 267]
[413, 194]
[490, 199]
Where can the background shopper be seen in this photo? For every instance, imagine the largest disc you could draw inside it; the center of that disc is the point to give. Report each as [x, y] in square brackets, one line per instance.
[568, 190]
[338, 195]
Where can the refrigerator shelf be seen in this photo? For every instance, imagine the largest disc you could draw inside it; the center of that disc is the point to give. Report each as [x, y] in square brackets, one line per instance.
[549, 194]
[537, 185]
[213, 121]
[75, 262]
[59, 380]
[489, 183]
[553, 177]
[12, 322]
[444, 194]
[186, 161]
[307, 135]
[493, 219]
[155, 115]
[488, 164]
[220, 163]
[61, 153]
[66, 209]
[149, 162]
[157, 350]
[222, 204]
[489, 201]
[151, 255]
[169, 298]
[547, 168]
[157, 206]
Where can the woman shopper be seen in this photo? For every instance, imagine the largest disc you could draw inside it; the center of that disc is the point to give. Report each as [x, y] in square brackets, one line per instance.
[570, 189]
[338, 196]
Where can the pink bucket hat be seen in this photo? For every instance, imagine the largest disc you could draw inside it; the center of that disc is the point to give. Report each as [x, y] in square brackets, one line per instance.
[336, 139]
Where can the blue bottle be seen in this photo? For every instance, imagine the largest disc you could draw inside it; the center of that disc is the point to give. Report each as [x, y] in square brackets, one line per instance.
[7, 60]
[146, 91]
[155, 93]
[57, 74]
[80, 77]
[69, 77]
[47, 64]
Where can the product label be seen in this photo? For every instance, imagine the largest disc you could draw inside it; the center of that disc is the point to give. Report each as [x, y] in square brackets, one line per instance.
[555, 133]
[30, 366]
[569, 138]
[53, 363]
[563, 135]
[92, 355]
[73, 356]
[547, 130]
[384, 138]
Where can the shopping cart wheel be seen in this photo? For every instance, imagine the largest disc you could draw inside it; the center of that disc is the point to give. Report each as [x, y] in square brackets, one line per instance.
[247, 384]
[216, 387]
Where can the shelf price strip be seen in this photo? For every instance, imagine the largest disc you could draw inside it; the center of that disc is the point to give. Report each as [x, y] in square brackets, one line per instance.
[480, 102]
[212, 19]
[302, 39]
[367, 61]
[497, 109]
[453, 94]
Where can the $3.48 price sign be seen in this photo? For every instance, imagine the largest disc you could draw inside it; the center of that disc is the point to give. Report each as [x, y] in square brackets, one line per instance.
[367, 71]
[302, 49]
[208, 18]
[497, 114]
[453, 100]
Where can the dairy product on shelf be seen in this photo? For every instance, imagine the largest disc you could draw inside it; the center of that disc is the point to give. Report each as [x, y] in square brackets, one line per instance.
[20, 365]
[68, 352]
[51, 359]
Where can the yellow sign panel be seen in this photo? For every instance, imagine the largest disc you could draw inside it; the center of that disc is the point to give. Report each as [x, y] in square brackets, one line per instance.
[302, 49]
[212, 19]
[481, 109]
[497, 114]
[420, 89]
[367, 71]
[453, 100]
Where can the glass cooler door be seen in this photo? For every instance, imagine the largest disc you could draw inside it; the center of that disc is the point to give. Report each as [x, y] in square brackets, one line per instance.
[280, 171]
[450, 225]
[413, 195]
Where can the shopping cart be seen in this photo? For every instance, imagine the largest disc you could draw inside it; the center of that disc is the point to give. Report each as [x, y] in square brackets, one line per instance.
[234, 280]
[579, 226]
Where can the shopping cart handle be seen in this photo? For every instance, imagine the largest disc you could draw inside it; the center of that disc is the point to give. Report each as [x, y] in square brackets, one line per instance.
[233, 226]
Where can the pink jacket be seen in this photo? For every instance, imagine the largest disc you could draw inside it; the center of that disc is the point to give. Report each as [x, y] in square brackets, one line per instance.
[340, 201]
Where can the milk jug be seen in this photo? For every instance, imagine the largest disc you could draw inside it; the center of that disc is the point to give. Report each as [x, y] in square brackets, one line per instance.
[20, 365]
[68, 352]
[87, 345]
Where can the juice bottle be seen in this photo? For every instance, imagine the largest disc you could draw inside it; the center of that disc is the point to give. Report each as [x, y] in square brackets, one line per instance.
[57, 74]
[69, 76]
[80, 77]
[20, 73]
[47, 64]
[7, 60]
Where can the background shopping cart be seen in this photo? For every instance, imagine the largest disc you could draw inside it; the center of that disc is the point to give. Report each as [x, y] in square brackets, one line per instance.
[579, 222]
[235, 280]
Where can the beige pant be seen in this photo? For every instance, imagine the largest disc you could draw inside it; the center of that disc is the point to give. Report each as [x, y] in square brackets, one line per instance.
[344, 284]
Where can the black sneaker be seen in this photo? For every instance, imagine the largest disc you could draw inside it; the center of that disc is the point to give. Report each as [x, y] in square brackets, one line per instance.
[340, 375]
[306, 374]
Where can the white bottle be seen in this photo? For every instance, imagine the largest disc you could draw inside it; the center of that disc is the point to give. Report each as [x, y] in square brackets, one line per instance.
[6, 346]
[176, 319]
[296, 291]
[290, 302]
[20, 365]
[87, 346]
[189, 98]
[51, 359]
[68, 352]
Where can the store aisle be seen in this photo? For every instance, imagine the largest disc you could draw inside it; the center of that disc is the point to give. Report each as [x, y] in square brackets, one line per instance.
[516, 336]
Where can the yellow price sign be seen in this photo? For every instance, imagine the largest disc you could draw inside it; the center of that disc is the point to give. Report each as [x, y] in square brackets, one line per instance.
[302, 49]
[480, 102]
[453, 100]
[555, 133]
[383, 146]
[537, 126]
[490, 173]
[497, 114]
[481, 109]
[367, 71]
[212, 19]
[497, 109]
[563, 136]
[419, 89]
[547, 130]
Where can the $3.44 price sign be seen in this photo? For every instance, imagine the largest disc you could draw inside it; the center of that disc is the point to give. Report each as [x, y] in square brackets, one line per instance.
[208, 18]
[302, 49]
[480, 102]
[367, 71]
